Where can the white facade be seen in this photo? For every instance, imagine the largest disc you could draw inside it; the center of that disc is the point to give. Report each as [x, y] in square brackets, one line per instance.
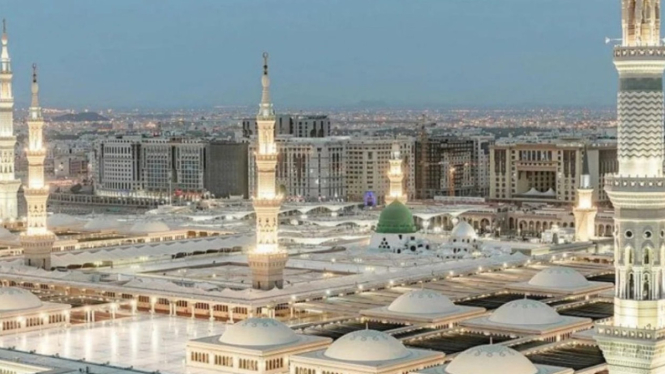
[22, 311]
[365, 351]
[8, 183]
[255, 345]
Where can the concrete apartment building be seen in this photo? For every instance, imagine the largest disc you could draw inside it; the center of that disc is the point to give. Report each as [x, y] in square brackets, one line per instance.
[307, 168]
[452, 165]
[226, 172]
[548, 171]
[149, 167]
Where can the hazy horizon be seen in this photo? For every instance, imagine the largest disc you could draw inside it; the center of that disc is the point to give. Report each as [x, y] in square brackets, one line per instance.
[335, 53]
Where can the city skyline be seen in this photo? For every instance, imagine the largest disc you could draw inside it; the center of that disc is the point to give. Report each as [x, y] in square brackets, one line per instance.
[327, 54]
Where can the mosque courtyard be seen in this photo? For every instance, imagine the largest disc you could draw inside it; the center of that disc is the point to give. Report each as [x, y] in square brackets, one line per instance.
[144, 342]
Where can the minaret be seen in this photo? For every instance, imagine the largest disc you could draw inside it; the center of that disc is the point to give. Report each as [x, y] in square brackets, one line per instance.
[585, 212]
[267, 260]
[8, 183]
[37, 241]
[396, 176]
[634, 342]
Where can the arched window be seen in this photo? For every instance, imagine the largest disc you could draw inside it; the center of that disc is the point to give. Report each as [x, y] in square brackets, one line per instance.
[647, 256]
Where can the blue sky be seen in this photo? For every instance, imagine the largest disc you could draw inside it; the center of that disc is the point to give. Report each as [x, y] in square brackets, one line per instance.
[200, 53]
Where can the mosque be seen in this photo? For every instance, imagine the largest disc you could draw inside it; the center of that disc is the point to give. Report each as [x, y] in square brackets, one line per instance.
[331, 289]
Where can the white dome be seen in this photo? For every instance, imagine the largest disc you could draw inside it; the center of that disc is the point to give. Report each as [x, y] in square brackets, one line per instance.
[258, 332]
[367, 345]
[525, 312]
[149, 227]
[463, 230]
[559, 277]
[100, 223]
[499, 358]
[422, 302]
[60, 220]
[12, 298]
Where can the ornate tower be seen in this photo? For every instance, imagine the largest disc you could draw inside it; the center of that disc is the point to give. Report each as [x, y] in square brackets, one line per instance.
[634, 342]
[396, 176]
[37, 241]
[585, 212]
[267, 260]
[8, 183]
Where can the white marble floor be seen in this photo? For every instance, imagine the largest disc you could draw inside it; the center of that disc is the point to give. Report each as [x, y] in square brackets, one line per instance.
[145, 342]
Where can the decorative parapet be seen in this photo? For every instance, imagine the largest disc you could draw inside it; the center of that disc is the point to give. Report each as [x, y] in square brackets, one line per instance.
[639, 53]
[630, 333]
[619, 183]
[267, 202]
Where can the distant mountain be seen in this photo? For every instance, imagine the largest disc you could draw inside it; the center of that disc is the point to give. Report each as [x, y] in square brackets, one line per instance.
[81, 117]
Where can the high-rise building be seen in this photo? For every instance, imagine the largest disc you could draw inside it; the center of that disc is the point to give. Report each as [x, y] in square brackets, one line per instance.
[226, 173]
[481, 163]
[451, 165]
[307, 168]
[547, 171]
[585, 212]
[300, 126]
[149, 167]
[634, 340]
[8, 183]
[368, 165]
[267, 260]
[37, 240]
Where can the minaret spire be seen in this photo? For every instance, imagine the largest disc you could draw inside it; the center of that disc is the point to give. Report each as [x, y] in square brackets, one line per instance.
[585, 212]
[266, 260]
[4, 54]
[396, 175]
[35, 89]
[265, 108]
[8, 183]
[37, 241]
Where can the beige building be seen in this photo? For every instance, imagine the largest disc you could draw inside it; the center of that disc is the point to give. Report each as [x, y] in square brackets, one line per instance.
[368, 164]
[548, 171]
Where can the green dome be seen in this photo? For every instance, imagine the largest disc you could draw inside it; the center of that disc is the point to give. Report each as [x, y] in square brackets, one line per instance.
[396, 218]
